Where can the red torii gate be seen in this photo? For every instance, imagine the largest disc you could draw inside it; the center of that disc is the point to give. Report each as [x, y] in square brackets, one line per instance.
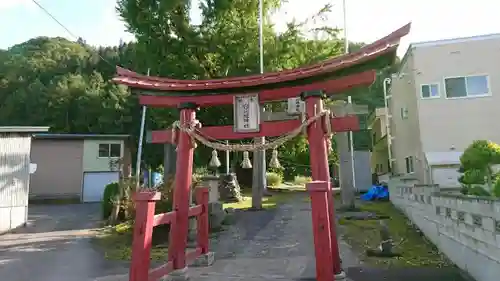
[311, 83]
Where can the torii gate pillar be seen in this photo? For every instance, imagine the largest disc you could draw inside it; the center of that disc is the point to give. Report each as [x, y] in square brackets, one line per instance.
[183, 178]
[318, 152]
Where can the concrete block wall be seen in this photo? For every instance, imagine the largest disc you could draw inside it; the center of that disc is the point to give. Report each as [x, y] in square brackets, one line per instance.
[465, 228]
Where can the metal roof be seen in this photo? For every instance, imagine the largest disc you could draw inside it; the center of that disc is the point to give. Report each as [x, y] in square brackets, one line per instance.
[81, 136]
[443, 157]
[23, 129]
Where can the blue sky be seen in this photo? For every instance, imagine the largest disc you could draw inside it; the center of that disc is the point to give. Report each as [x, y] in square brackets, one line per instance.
[97, 22]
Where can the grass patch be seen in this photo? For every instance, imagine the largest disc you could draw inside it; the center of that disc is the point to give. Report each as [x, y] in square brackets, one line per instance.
[278, 196]
[288, 187]
[415, 249]
[301, 180]
[116, 243]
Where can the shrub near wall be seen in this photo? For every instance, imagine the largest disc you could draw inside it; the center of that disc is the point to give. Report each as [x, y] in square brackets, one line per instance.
[110, 192]
[301, 180]
[476, 166]
[274, 179]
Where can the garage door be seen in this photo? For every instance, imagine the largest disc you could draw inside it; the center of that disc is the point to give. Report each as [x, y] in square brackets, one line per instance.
[446, 177]
[94, 184]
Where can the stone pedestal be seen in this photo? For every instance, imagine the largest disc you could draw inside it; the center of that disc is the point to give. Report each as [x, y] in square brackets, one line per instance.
[216, 215]
[192, 232]
[212, 182]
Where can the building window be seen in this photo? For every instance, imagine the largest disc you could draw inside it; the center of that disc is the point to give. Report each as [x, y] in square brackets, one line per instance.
[429, 91]
[404, 113]
[409, 164]
[110, 150]
[467, 86]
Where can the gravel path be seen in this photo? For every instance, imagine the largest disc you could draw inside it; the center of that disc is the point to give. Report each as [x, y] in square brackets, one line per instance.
[268, 245]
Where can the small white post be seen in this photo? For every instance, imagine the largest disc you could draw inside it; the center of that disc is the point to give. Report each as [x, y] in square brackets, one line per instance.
[139, 147]
[387, 81]
[346, 42]
[351, 147]
[227, 159]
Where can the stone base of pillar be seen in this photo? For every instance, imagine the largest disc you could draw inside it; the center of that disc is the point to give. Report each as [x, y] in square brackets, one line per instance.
[177, 275]
[205, 260]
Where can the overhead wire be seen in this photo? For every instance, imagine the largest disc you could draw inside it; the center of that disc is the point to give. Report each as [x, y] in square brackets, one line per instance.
[48, 13]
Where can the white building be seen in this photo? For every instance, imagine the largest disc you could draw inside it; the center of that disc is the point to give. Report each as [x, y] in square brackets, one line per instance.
[15, 147]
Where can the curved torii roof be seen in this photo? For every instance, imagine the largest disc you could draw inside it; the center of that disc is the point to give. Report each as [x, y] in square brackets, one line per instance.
[331, 67]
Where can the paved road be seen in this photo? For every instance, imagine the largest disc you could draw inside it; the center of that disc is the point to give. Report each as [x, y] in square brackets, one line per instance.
[55, 246]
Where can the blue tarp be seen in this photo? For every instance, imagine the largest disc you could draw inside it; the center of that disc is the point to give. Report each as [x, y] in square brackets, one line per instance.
[156, 178]
[376, 192]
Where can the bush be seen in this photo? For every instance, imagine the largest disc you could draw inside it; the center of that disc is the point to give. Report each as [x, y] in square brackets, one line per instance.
[478, 191]
[474, 190]
[496, 187]
[273, 179]
[278, 171]
[301, 180]
[477, 162]
[111, 191]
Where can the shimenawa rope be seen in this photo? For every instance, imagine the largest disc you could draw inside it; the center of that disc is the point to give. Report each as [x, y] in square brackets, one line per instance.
[196, 134]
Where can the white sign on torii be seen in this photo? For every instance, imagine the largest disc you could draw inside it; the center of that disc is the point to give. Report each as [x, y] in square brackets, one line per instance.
[246, 113]
[295, 106]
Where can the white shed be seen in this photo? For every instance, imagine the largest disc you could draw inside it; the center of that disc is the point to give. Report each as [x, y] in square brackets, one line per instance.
[15, 148]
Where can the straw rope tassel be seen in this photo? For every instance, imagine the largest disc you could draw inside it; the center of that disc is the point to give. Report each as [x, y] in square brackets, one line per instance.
[274, 163]
[246, 163]
[214, 161]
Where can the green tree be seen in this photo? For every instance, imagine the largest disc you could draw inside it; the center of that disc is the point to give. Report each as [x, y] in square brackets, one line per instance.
[65, 85]
[58, 83]
[477, 163]
[226, 44]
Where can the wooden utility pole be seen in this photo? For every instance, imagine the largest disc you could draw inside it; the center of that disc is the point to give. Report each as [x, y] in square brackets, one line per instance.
[347, 189]
[259, 181]
[258, 191]
[169, 162]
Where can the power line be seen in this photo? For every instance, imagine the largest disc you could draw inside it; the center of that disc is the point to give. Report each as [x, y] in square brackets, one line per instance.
[54, 18]
[48, 13]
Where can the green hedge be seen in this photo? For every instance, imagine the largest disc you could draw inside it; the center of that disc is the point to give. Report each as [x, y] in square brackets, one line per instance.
[274, 179]
[110, 192]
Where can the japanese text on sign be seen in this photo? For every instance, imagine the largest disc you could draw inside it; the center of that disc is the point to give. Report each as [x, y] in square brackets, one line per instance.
[295, 106]
[247, 110]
